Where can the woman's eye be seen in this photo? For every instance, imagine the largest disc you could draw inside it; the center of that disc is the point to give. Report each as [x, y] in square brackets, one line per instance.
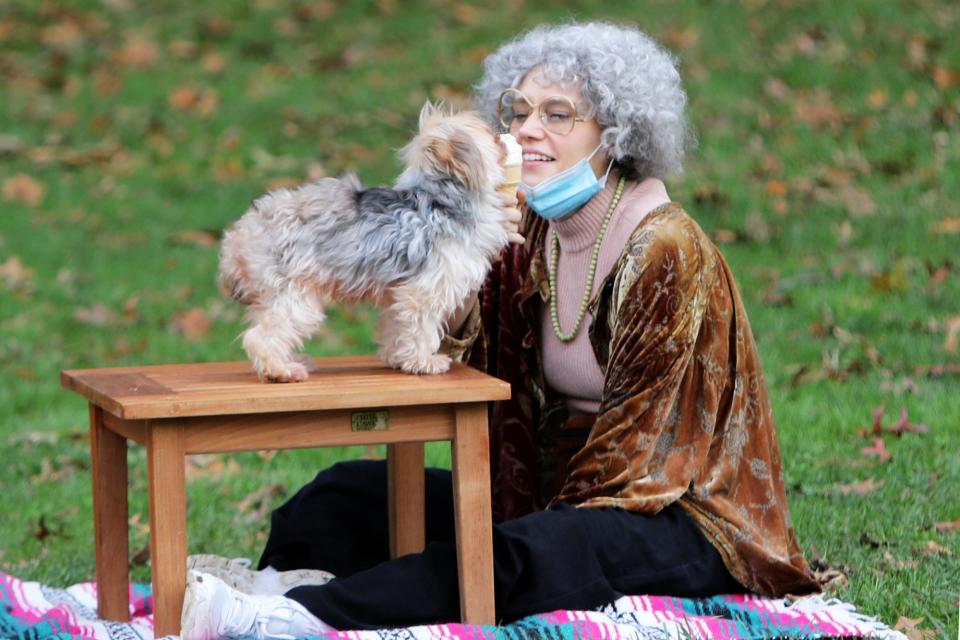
[558, 116]
[520, 116]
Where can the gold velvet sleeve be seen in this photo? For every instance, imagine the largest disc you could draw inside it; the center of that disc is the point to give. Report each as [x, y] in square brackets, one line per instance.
[459, 348]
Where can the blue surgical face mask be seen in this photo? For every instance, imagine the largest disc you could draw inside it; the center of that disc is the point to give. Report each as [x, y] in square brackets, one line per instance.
[567, 191]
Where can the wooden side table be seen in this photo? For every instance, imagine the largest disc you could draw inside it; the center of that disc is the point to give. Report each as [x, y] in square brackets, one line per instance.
[175, 410]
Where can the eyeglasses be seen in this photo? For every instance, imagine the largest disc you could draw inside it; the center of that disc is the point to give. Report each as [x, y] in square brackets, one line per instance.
[557, 113]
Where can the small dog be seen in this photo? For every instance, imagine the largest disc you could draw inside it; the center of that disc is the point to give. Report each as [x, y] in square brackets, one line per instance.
[417, 250]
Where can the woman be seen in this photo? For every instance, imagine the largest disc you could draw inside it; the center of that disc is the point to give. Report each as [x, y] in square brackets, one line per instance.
[638, 453]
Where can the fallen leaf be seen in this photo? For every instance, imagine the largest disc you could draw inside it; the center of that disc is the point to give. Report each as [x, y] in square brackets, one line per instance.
[213, 62]
[98, 315]
[255, 507]
[14, 275]
[53, 470]
[878, 449]
[947, 527]
[33, 438]
[939, 273]
[193, 324]
[859, 488]
[909, 628]
[24, 188]
[198, 100]
[138, 525]
[856, 200]
[777, 88]
[818, 110]
[63, 35]
[41, 531]
[724, 236]
[465, 13]
[681, 37]
[199, 237]
[897, 564]
[878, 98]
[141, 557]
[953, 328]
[136, 52]
[934, 548]
[212, 467]
[891, 280]
[947, 225]
[938, 370]
[902, 425]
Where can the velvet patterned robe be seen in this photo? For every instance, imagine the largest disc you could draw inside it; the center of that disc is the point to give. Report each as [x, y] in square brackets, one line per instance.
[684, 415]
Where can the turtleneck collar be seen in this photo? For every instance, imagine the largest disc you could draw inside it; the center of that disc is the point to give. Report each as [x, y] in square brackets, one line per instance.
[579, 230]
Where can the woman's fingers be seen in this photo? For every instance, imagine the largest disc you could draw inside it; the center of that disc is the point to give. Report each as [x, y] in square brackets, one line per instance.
[511, 223]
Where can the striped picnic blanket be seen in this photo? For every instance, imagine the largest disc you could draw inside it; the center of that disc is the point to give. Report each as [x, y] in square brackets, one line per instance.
[32, 611]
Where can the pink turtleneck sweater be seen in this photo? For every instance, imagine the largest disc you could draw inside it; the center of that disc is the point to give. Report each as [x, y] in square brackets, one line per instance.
[570, 368]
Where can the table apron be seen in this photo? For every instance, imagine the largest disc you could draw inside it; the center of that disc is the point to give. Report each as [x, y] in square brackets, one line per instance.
[295, 429]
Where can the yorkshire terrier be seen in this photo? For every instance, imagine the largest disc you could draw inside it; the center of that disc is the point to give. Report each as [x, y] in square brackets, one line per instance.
[417, 250]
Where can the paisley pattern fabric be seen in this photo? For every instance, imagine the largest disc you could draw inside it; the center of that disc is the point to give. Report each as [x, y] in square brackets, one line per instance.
[684, 416]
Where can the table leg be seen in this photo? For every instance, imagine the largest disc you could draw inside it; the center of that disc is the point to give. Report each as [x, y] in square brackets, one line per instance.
[108, 463]
[405, 490]
[473, 513]
[168, 523]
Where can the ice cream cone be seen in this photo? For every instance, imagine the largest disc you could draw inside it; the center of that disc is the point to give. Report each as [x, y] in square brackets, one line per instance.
[511, 180]
[512, 167]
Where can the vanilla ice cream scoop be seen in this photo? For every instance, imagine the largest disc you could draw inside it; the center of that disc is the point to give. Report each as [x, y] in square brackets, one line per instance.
[514, 150]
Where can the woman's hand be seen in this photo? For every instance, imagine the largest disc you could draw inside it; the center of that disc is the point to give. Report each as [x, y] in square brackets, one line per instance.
[512, 217]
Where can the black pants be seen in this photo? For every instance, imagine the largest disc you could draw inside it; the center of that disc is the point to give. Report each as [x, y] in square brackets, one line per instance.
[564, 558]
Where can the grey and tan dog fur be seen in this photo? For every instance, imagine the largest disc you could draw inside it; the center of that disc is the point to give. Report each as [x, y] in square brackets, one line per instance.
[417, 250]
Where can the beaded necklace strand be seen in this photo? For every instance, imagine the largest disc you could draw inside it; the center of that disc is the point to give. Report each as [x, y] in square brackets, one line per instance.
[591, 272]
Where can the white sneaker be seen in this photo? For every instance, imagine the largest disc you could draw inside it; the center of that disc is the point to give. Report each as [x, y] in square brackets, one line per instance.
[236, 572]
[213, 610]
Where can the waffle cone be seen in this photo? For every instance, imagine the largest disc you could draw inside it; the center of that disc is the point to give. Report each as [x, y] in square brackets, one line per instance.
[511, 180]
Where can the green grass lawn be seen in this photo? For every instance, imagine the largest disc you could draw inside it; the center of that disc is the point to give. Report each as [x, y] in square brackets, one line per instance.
[828, 169]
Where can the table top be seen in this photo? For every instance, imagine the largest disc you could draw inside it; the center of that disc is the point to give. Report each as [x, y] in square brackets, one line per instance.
[232, 388]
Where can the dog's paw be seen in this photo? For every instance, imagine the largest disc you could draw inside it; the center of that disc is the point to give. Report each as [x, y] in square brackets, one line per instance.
[434, 364]
[288, 372]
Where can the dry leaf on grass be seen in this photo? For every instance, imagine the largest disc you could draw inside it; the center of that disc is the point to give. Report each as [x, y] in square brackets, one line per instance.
[98, 315]
[934, 548]
[947, 226]
[257, 506]
[953, 329]
[947, 527]
[878, 449]
[859, 488]
[24, 188]
[14, 275]
[908, 626]
[193, 324]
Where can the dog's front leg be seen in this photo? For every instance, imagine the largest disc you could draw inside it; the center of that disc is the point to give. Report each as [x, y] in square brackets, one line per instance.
[410, 331]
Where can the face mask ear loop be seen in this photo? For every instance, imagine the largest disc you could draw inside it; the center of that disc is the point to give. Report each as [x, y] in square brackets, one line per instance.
[609, 166]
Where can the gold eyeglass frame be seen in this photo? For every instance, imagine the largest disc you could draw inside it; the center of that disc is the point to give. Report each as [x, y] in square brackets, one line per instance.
[576, 118]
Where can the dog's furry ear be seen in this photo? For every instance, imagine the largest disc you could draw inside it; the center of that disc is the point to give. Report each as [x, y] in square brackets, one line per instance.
[457, 156]
[427, 111]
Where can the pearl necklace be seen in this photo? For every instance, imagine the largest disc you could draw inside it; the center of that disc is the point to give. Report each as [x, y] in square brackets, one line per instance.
[591, 272]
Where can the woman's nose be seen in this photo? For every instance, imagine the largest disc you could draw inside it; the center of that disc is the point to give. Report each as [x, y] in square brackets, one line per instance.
[531, 127]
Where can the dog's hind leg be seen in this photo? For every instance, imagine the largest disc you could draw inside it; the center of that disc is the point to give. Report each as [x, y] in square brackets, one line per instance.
[278, 330]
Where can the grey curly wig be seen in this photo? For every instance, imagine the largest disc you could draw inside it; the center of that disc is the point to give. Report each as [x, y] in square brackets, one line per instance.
[629, 82]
